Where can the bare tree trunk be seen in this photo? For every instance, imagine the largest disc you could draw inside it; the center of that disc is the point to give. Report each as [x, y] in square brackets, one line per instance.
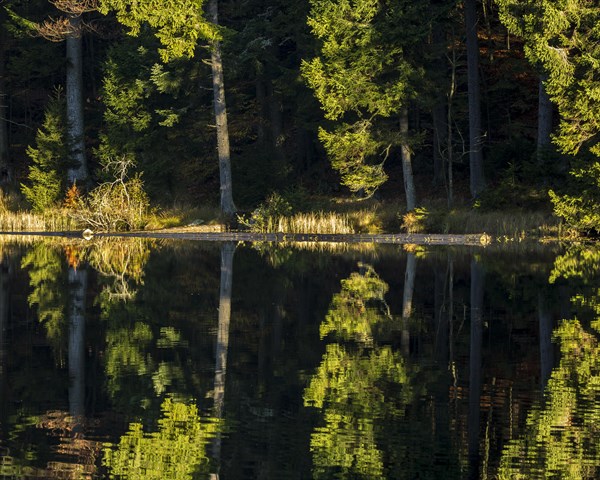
[5, 274]
[544, 121]
[227, 252]
[475, 357]
[77, 287]
[77, 173]
[409, 186]
[477, 179]
[407, 298]
[5, 167]
[227, 206]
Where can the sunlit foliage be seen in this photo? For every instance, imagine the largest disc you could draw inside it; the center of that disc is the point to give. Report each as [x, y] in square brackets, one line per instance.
[177, 450]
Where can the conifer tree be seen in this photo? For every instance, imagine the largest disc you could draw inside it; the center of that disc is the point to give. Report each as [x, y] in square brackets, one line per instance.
[46, 178]
[563, 40]
[179, 27]
[362, 77]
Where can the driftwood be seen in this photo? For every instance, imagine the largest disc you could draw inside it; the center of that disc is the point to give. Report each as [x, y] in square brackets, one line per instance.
[477, 239]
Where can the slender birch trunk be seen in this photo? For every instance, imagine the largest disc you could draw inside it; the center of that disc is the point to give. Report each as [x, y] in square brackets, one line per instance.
[544, 121]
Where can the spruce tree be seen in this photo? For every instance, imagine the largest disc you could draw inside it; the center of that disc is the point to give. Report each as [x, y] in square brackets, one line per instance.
[46, 178]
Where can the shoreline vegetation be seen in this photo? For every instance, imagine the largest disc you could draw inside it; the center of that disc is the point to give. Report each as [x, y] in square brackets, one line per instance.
[341, 218]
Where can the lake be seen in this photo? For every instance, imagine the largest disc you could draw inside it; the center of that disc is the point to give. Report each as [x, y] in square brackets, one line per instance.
[170, 359]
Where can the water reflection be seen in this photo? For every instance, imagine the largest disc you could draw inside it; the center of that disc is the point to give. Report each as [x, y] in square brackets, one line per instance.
[147, 360]
[561, 435]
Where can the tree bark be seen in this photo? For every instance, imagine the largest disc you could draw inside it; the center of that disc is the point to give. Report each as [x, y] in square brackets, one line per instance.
[477, 178]
[5, 167]
[227, 206]
[409, 186]
[544, 121]
[78, 172]
[475, 367]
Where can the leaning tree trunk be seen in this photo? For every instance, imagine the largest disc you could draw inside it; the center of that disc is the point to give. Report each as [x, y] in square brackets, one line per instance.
[77, 172]
[544, 121]
[409, 185]
[227, 205]
[477, 179]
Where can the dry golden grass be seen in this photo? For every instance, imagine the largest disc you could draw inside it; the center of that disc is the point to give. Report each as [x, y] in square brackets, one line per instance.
[317, 222]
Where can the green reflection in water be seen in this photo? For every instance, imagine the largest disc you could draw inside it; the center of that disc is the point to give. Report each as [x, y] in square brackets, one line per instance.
[177, 450]
[561, 438]
[358, 386]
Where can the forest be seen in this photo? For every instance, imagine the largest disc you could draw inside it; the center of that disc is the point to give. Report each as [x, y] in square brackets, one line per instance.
[368, 115]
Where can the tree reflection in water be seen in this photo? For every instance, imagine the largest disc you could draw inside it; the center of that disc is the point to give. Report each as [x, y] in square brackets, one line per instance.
[561, 436]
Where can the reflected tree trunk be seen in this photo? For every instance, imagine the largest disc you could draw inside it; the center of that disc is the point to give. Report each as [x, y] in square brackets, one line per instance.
[5, 273]
[546, 348]
[407, 298]
[475, 367]
[78, 172]
[442, 330]
[226, 286]
[226, 184]
[76, 315]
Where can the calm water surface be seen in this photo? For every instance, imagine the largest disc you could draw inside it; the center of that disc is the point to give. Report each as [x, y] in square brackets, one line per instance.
[180, 360]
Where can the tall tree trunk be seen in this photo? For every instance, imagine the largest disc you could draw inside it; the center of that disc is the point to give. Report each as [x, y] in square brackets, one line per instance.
[78, 172]
[227, 206]
[438, 112]
[77, 287]
[477, 179]
[544, 121]
[407, 298]
[409, 186]
[5, 167]
[226, 286]
[475, 357]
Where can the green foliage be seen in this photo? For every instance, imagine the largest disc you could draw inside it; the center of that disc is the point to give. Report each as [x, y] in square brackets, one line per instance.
[47, 278]
[563, 39]
[263, 217]
[360, 386]
[179, 24]
[581, 209]
[363, 75]
[358, 308]
[46, 179]
[176, 451]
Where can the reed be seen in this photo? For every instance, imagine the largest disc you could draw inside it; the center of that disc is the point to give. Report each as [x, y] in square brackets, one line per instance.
[314, 222]
[48, 221]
